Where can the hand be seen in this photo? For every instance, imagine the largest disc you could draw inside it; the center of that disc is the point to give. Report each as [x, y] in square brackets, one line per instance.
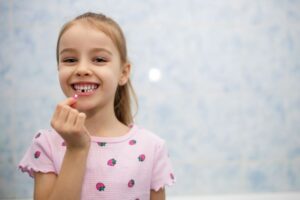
[69, 124]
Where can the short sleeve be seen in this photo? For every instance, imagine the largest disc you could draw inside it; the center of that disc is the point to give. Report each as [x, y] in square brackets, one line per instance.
[38, 157]
[162, 173]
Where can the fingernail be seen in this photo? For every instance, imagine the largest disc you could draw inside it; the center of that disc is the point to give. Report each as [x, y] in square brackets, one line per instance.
[75, 96]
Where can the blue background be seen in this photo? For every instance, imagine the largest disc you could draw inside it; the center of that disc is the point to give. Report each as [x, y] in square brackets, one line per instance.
[228, 101]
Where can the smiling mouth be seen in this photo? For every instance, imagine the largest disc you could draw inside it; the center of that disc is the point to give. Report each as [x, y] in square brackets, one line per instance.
[85, 87]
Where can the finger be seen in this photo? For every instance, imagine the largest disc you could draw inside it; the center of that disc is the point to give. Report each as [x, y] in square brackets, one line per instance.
[56, 115]
[79, 124]
[56, 112]
[63, 114]
[74, 104]
[69, 101]
[72, 116]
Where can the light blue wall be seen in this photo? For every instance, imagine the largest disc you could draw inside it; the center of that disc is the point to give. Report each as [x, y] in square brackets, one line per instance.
[228, 102]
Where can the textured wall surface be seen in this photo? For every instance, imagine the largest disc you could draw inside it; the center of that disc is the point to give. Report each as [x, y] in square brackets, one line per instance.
[227, 101]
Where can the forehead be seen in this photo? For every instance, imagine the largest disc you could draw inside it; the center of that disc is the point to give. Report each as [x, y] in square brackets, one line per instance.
[83, 36]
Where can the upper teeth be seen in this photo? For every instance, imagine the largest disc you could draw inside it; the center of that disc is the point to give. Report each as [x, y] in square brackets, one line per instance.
[85, 87]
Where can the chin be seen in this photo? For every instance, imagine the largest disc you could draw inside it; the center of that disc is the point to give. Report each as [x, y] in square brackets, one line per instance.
[83, 109]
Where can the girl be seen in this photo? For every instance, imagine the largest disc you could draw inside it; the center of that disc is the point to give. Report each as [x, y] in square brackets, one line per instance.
[94, 150]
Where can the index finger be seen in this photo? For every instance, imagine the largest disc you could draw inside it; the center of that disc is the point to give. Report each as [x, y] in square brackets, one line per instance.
[69, 101]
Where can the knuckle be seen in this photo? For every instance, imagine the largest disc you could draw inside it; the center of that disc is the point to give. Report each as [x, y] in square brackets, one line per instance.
[74, 112]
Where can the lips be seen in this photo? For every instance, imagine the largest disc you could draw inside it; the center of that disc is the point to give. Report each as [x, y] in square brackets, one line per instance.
[84, 88]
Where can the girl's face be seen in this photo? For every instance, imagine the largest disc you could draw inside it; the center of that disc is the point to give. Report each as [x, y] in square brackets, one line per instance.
[90, 66]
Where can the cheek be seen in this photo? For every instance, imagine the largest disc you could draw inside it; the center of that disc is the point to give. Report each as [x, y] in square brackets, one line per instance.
[111, 80]
[110, 76]
[65, 72]
[63, 76]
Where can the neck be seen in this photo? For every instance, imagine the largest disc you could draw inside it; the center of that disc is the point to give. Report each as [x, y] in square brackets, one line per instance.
[104, 123]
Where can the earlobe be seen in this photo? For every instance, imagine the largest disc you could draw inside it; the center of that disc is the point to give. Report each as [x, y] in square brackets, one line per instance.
[125, 74]
[122, 82]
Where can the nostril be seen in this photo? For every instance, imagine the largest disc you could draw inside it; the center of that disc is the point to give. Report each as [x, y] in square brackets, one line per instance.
[82, 70]
[82, 74]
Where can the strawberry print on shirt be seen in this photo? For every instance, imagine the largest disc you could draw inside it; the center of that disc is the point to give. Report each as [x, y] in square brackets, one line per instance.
[125, 167]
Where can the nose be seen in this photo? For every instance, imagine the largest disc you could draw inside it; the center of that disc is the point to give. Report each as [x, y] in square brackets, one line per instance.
[83, 69]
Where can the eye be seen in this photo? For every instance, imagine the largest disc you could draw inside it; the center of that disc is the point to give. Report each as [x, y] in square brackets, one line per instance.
[100, 60]
[69, 60]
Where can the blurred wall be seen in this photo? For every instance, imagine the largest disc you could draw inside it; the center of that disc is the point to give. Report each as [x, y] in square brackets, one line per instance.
[219, 80]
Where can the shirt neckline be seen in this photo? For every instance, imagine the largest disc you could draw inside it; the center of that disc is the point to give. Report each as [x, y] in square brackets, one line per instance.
[122, 138]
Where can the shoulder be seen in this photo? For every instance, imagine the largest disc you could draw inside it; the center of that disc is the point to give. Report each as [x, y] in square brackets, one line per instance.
[48, 133]
[149, 136]
[41, 154]
[47, 137]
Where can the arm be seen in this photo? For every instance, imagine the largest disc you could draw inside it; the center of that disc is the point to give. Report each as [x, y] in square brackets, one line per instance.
[67, 185]
[159, 195]
[69, 123]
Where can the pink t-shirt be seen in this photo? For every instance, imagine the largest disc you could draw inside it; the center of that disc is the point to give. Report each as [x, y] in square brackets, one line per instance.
[125, 167]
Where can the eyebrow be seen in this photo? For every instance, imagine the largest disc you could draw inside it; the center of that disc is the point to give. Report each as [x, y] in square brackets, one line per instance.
[67, 50]
[101, 49]
[93, 50]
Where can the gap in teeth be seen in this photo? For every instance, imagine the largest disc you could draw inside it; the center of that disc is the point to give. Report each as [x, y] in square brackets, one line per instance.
[85, 88]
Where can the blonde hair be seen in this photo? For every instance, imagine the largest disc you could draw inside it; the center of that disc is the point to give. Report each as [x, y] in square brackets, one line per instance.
[124, 93]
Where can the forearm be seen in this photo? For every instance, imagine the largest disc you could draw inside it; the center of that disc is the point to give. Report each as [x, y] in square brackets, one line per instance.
[69, 181]
[159, 195]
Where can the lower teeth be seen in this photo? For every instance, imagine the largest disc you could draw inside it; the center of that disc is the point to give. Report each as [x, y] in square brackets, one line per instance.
[83, 90]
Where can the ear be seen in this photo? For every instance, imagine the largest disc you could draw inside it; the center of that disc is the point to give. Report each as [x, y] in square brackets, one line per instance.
[125, 74]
